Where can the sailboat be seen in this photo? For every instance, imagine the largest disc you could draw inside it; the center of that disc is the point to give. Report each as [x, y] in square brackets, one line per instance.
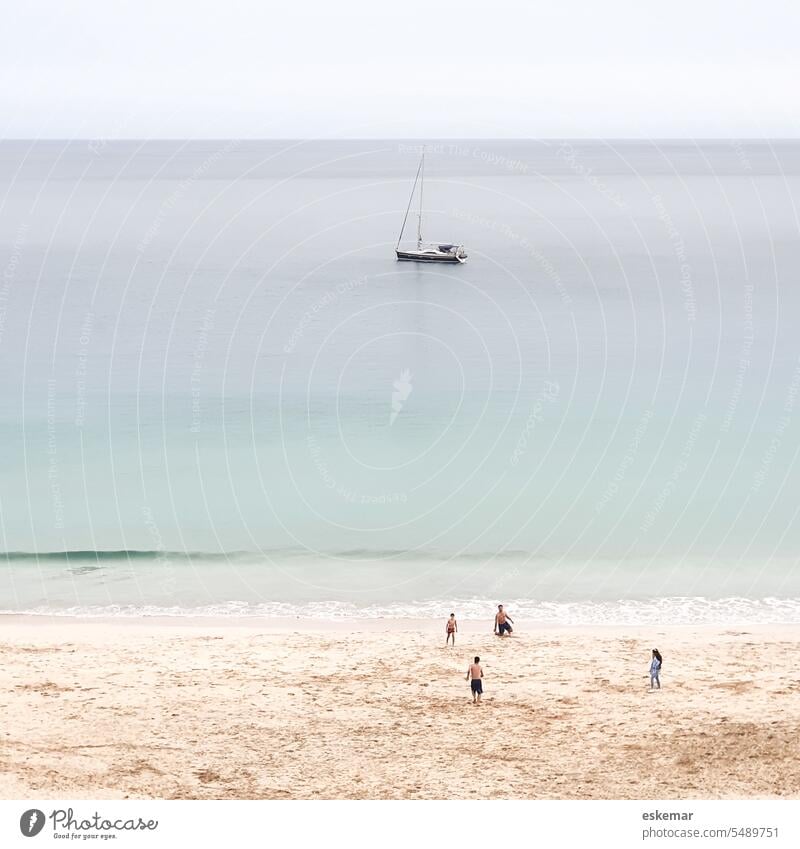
[431, 252]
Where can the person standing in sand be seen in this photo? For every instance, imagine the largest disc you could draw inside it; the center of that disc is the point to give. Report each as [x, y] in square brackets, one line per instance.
[655, 669]
[501, 620]
[451, 629]
[475, 677]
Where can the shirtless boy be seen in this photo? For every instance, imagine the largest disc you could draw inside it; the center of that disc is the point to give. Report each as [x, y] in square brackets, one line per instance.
[451, 629]
[474, 676]
[501, 621]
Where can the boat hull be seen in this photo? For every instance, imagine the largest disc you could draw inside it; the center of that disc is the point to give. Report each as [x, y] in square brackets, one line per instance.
[421, 256]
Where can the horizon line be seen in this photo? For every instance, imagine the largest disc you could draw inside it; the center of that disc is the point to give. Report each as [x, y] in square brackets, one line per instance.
[421, 140]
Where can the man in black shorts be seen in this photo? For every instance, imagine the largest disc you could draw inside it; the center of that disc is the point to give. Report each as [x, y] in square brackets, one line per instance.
[474, 676]
[501, 620]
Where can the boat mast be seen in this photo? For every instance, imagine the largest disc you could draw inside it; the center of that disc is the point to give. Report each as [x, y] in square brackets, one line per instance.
[421, 189]
[408, 208]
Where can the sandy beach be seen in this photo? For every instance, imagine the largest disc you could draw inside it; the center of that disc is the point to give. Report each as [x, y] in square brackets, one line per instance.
[274, 709]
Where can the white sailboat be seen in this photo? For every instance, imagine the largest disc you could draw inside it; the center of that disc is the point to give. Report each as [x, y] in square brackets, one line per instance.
[432, 251]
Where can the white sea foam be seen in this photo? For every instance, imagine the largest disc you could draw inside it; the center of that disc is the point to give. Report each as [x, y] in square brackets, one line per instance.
[663, 611]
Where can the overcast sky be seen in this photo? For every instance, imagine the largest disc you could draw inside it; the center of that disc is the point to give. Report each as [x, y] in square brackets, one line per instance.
[411, 68]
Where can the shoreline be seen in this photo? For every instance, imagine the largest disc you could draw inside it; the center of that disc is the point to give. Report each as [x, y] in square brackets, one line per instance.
[652, 612]
[357, 624]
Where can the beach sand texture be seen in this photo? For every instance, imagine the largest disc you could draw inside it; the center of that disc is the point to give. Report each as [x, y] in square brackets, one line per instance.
[201, 709]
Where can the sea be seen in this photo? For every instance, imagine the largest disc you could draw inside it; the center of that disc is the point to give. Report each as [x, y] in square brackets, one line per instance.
[221, 395]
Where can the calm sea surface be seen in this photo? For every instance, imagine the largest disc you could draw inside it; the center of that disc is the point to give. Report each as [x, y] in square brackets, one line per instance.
[221, 393]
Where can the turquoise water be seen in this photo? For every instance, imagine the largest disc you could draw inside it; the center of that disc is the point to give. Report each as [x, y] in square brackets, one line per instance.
[211, 363]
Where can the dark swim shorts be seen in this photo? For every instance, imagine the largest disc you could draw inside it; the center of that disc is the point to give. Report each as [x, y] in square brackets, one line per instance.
[477, 685]
[501, 629]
